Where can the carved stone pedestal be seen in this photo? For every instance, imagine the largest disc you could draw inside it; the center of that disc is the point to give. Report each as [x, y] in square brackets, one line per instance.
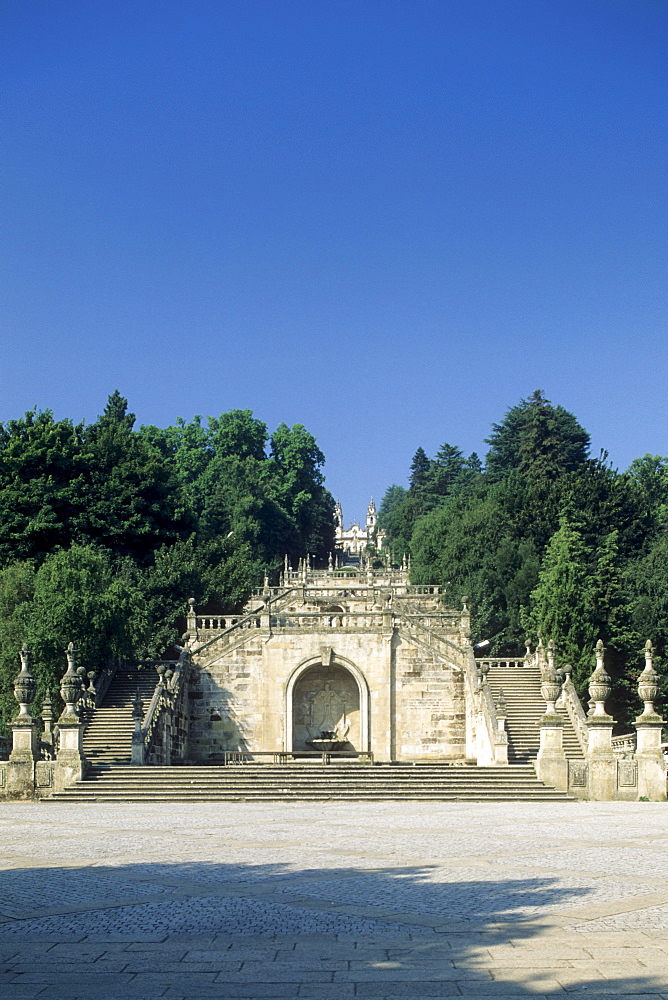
[21, 764]
[651, 765]
[602, 761]
[551, 762]
[70, 763]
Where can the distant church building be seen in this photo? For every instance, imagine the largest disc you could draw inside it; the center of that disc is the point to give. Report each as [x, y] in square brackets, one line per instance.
[353, 540]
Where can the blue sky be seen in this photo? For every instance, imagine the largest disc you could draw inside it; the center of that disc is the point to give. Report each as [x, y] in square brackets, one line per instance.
[389, 221]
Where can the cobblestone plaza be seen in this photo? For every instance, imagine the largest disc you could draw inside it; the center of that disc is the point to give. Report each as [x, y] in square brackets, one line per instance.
[332, 901]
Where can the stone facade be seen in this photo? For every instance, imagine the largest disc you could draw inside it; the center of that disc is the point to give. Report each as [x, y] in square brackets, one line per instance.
[332, 651]
[354, 539]
[347, 661]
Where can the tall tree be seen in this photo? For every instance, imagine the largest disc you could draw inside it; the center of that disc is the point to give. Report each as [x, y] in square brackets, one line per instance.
[537, 438]
[132, 493]
[42, 484]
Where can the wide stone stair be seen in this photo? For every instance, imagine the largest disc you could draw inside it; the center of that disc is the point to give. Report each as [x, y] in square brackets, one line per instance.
[309, 782]
[525, 708]
[107, 738]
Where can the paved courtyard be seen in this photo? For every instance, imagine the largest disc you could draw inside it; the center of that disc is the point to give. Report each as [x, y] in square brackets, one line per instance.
[332, 901]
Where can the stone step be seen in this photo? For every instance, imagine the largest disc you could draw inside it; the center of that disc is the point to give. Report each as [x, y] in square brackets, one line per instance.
[310, 782]
[524, 710]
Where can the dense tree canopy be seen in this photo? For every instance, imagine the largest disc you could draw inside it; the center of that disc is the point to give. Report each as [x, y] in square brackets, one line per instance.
[106, 530]
[544, 540]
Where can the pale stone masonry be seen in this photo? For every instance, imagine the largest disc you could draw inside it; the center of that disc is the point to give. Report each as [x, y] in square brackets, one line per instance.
[337, 651]
[357, 663]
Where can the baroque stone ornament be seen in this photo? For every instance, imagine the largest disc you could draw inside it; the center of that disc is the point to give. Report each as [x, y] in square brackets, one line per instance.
[70, 686]
[648, 682]
[550, 687]
[24, 685]
[599, 684]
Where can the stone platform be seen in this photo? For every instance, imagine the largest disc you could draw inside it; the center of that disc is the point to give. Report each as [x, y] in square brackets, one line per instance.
[334, 900]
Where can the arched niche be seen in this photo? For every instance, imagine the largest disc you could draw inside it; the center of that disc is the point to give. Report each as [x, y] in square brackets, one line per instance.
[325, 697]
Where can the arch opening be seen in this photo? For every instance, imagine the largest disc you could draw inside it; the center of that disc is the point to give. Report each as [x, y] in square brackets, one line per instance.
[327, 699]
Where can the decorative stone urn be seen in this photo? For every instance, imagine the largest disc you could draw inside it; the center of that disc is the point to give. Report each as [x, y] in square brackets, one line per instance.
[25, 687]
[24, 732]
[550, 678]
[649, 754]
[70, 688]
[599, 685]
[648, 684]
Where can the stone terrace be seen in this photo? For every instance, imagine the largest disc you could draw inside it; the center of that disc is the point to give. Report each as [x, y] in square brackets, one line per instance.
[334, 901]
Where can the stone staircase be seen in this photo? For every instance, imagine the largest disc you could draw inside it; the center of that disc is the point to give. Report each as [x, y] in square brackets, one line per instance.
[107, 738]
[525, 707]
[310, 782]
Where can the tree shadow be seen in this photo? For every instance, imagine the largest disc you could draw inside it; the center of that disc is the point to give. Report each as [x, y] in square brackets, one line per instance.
[198, 929]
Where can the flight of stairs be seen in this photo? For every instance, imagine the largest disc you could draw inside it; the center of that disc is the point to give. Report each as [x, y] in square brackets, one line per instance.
[525, 707]
[107, 738]
[310, 782]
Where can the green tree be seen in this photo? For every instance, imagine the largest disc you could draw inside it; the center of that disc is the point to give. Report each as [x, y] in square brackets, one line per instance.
[300, 487]
[537, 438]
[559, 603]
[132, 494]
[42, 485]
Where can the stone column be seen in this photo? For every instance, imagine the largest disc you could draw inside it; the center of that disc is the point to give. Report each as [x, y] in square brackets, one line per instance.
[138, 717]
[192, 618]
[551, 762]
[24, 753]
[601, 759]
[649, 755]
[465, 624]
[501, 738]
[70, 762]
[47, 723]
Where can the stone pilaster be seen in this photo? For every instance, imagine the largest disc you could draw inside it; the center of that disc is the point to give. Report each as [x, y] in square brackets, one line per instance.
[24, 752]
[551, 762]
[70, 761]
[602, 762]
[137, 735]
[501, 738]
[649, 755]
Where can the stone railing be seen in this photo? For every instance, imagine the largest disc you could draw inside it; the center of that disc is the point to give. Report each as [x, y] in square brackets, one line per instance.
[320, 621]
[161, 736]
[216, 623]
[624, 746]
[432, 640]
[103, 679]
[576, 713]
[501, 663]
[486, 737]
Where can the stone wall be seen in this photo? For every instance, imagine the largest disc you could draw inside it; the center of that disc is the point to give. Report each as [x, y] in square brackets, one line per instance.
[400, 701]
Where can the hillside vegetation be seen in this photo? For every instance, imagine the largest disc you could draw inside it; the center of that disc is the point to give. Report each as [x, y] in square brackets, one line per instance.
[543, 539]
[106, 530]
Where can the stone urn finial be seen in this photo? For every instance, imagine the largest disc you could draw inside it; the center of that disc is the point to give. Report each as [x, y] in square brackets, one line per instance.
[550, 686]
[599, 683]
[25, 685]
[138, 710]
[70, 685]
[648, 682]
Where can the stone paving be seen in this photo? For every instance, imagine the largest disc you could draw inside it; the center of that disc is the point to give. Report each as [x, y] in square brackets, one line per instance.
[333, 901]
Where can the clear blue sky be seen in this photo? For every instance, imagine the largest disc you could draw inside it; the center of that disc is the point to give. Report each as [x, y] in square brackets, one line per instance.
[388, 221]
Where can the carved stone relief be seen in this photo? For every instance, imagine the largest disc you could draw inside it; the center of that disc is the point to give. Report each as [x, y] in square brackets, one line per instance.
[326, 699]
